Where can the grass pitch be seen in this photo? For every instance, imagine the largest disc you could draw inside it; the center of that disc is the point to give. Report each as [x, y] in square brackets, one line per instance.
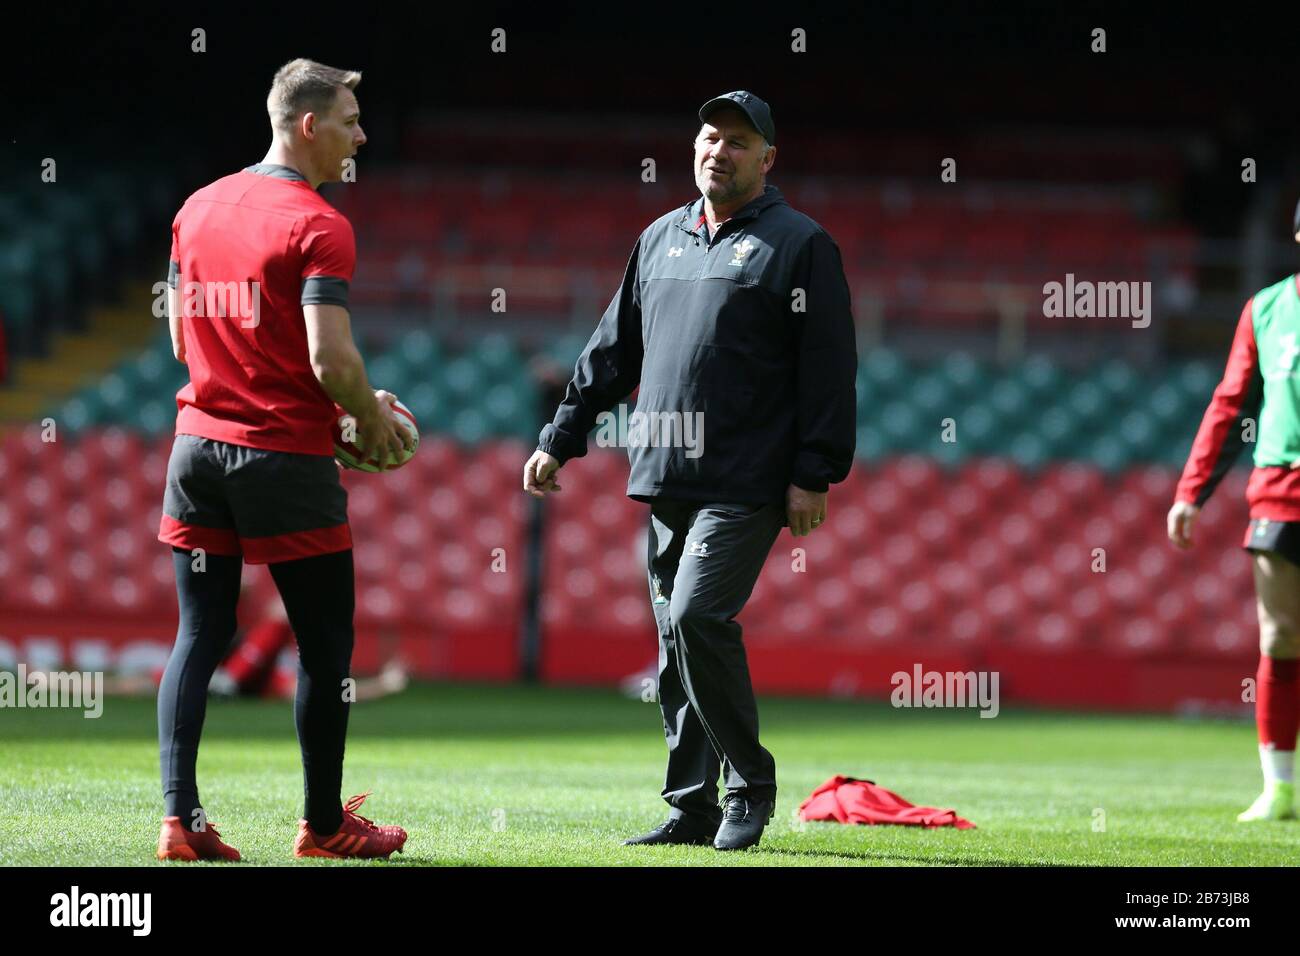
[536, 776]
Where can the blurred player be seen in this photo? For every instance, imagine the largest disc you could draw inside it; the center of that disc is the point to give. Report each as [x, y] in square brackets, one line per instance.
[263, 664]
[252, 474]
[1259, 400]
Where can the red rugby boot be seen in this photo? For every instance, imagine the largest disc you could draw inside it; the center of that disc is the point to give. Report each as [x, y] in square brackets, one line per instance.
[357, 836]
[178, 842]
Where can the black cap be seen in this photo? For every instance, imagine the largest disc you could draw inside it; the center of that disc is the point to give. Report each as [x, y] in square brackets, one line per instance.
[759, 113]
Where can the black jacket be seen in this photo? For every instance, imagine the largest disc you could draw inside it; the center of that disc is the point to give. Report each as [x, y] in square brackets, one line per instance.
[752, 330]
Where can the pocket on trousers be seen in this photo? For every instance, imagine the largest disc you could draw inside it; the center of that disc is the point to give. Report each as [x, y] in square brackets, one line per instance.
[735, 509]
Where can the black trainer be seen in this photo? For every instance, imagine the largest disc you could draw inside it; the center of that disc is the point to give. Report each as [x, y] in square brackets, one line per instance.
[743, 820]
[680, 831]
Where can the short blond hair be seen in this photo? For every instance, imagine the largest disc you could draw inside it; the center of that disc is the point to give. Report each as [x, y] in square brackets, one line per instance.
[305, 86]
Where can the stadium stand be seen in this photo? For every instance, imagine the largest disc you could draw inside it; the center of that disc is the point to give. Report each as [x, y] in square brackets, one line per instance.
[984, 549]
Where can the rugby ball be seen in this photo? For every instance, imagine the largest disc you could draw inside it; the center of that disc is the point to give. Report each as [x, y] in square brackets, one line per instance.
[348, 455]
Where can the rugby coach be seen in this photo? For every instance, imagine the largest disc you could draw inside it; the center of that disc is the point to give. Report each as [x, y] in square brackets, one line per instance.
[734, 313]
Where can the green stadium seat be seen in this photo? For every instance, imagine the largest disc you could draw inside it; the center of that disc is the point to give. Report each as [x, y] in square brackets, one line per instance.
[963, 372]
[933, 397]
[157, 417]
[114, 395]
[1138, 429]
[464, 378]
[1059, 432]
[1028, 450]
[470, 426]
[1040, 375]
[389, 372]
[1010, 399]
[503, 403]
[1170, 406]
[1198, 379]
[1118, 378]
[1086, 401]
[886, 368]
[420, 351]
[871, 443]
[426, 403]
[1109, 453]
[497, 357]
[151, 369]
[1175, 450]
[564, 351]
[903, 428]
[75, 414]
[977, 429]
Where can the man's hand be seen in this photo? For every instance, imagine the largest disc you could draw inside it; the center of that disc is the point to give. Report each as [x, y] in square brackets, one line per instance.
[1182, 517]
[379, 436]
[539, 474]
[804, 510]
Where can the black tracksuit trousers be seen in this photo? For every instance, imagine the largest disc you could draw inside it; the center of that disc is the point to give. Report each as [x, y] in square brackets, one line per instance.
[704, 559]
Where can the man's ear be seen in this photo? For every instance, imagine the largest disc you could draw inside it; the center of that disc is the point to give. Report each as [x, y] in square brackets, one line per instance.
[769, 159]
[308, 126]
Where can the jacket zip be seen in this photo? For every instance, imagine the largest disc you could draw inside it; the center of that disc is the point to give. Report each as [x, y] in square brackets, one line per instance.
[695, 235]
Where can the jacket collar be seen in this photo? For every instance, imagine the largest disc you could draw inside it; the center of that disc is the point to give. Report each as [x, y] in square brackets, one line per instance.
[690, 217]
[276, 171]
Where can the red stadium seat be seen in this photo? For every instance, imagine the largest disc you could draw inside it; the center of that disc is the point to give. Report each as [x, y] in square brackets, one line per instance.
[884, 625]
[1005, 607]
[936, 531]
[997, 480]
[801, 619]
[1138, 636]
[971, 627]
[957, 583]
[1055, 632]
[869, 577]
[902, 553]
[920, 600]
[378, 603]
[1227, 638]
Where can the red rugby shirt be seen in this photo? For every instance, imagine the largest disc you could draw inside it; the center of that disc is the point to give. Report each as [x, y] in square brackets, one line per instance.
[266, 243]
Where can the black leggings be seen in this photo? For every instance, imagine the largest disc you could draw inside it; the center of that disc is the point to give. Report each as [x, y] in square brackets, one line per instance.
[318, 595]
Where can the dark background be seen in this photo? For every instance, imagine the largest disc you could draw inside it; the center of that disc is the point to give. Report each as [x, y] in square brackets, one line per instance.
[127, 73]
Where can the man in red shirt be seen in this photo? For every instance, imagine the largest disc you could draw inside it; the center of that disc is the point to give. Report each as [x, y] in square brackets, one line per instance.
[1258, 402]
[260, 266]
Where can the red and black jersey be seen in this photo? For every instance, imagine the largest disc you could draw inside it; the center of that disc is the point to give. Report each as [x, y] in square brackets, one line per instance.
[248, 251]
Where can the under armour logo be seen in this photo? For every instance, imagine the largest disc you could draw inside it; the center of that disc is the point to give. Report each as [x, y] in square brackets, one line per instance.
[675, 251]
[699, 549]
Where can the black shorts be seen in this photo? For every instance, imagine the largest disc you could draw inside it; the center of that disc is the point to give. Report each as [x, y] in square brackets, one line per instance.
[1265, 534]
[266, 506]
